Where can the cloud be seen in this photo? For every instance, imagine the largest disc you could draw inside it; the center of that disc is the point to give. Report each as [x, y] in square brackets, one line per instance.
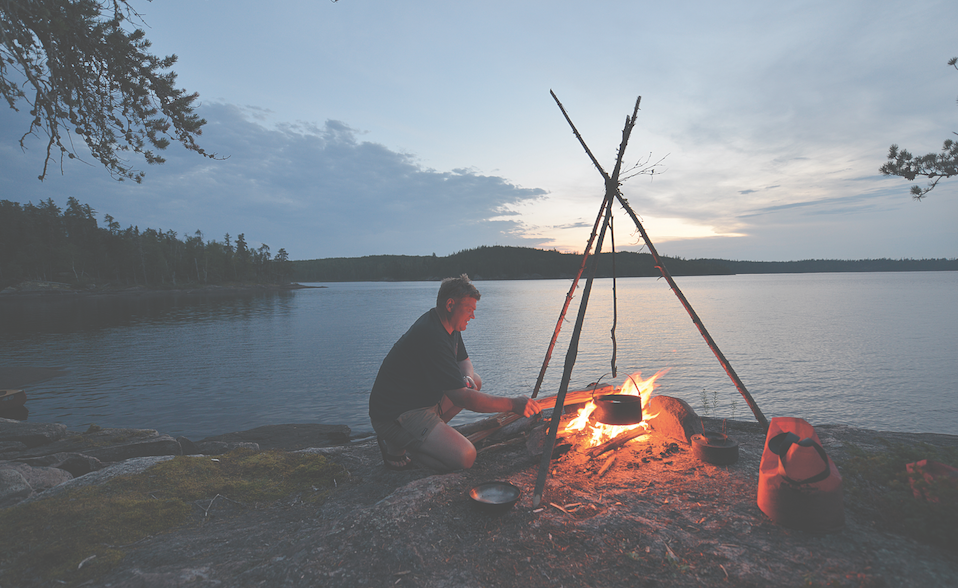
[315, 190]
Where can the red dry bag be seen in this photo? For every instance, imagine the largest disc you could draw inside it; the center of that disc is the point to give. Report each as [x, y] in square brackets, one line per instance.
[798, 484]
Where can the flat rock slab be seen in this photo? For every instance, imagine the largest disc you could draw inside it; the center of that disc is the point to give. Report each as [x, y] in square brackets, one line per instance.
[106, 445]
[125, 468]
[290, 437]
[30, 434]
[153, 446]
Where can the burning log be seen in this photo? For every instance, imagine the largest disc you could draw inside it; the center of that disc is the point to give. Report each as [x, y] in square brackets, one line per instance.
[616, 442]
[478, 431]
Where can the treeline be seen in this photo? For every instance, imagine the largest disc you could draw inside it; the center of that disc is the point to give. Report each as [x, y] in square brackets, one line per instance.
[523, 263]
[41, 242]
[490, 263]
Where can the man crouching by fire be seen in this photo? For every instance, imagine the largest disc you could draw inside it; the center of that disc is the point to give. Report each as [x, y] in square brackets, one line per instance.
[426, 379]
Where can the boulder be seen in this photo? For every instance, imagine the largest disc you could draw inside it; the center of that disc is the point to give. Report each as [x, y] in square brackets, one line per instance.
[187, 446]
[39, 478]
[674, 418]
[30, 434]
[13, 487]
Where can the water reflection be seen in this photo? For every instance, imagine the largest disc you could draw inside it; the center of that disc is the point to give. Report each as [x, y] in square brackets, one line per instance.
[68, 313]
[829, 348]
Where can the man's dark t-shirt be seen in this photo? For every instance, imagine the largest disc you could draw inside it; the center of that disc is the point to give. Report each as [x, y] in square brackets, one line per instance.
[420, 367]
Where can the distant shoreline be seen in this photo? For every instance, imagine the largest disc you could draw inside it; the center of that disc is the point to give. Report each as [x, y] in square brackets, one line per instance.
[524, 263]
[57, 290]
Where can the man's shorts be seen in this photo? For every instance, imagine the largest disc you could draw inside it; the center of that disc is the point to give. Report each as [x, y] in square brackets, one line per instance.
[412, 427]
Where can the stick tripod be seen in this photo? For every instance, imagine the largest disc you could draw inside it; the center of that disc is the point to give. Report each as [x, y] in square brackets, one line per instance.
[612, 192]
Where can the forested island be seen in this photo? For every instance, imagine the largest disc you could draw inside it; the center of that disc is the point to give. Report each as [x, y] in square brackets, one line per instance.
[523, 263]
[46, 244]
[42, 243]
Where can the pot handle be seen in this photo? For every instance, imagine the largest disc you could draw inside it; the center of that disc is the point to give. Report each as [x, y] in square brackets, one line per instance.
[595, 386]
[780, 444]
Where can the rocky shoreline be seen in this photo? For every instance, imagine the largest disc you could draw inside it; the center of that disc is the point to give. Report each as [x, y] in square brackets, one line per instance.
[38, 457]
[653, 516]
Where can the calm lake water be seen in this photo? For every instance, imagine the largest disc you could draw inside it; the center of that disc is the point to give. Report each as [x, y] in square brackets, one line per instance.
[873, 350]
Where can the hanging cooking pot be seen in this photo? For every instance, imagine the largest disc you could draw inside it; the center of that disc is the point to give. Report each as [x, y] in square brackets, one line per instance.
[618, 409]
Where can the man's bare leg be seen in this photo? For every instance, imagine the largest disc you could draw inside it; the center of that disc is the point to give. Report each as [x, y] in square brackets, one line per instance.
[445, 448]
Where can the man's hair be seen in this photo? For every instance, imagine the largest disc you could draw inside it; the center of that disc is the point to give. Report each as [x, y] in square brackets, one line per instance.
[455, 288]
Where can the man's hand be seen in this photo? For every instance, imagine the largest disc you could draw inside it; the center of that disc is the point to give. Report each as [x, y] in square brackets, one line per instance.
[525, 406]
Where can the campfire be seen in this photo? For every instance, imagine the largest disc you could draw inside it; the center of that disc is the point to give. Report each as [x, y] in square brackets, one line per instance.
[601, 433]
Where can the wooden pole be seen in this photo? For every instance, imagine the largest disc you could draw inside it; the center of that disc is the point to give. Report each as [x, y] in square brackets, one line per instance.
[567, 372]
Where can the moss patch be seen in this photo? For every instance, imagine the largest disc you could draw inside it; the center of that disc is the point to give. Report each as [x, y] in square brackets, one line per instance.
[80, 534]
[880, 488]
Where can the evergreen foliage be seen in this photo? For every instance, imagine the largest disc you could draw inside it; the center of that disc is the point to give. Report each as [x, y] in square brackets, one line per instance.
[934, 166]
[39, 242]
[83, 67]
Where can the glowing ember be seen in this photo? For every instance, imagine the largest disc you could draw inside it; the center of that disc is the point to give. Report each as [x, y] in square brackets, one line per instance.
[634, 386]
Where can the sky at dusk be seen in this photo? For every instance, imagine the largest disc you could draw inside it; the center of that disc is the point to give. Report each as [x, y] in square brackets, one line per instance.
[368, 127]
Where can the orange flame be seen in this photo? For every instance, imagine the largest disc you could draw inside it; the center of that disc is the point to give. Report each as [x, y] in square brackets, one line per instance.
[634, 386]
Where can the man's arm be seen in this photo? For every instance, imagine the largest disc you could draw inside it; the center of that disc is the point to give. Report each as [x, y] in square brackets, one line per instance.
[476, 401]
[465, 366]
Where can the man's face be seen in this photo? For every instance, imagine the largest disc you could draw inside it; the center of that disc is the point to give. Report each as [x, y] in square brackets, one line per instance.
[461, 312]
